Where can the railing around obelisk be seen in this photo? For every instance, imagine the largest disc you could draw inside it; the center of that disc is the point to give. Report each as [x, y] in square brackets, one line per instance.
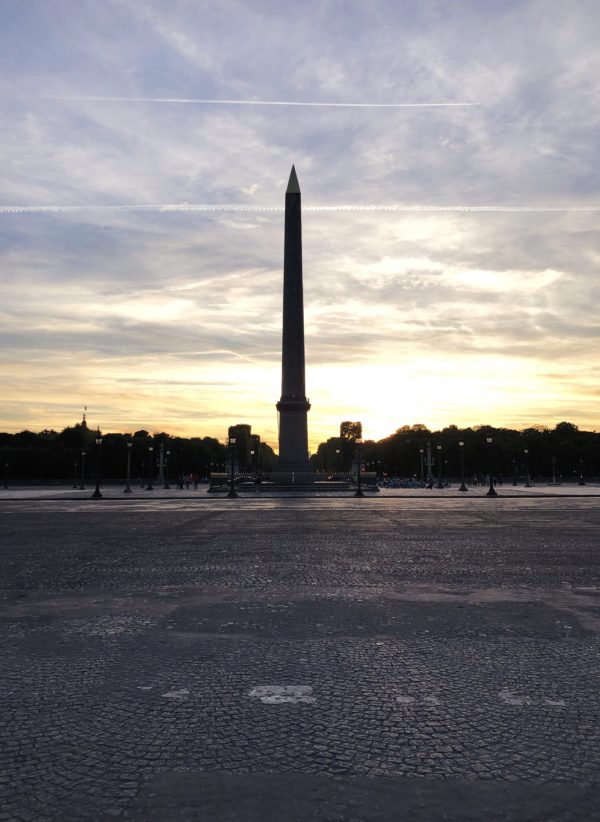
[264, 481]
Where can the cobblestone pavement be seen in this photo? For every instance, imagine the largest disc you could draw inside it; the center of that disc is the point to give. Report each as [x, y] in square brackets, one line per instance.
[300, 659]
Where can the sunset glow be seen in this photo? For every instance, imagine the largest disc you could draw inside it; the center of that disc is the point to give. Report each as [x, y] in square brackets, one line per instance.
[171, 320]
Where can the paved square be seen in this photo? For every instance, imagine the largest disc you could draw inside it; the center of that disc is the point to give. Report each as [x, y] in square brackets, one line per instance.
[294, 659]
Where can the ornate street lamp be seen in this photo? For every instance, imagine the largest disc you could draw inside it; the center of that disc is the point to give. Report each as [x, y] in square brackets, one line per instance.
[359, 490]
[150, 487]
[75, 464]
[461, 447]
[166, 485]
[82, 486]
[97, 494]
[527, 481]
[439, 457]
[491, 490]
[232, 492]
[422, 455]
[127, 488]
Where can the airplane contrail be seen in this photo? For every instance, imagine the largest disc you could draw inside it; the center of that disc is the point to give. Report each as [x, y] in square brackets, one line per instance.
[212, 102]
[251, 209]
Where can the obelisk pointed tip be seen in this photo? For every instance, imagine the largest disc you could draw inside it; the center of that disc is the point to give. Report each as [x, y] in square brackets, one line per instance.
[293, 184]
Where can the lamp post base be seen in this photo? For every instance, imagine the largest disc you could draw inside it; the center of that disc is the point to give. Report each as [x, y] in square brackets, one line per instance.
[463, 487]
[359, 493]
[96, 494]
[491, 492]
[127, 490]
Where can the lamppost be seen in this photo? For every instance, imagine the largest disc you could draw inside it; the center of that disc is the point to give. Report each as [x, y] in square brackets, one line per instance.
[6, 476]
[97, 494]
[337, 459]
[127, 488]
[514, 464]
[359, 490]
[439, 459]
[75, 464]
[422, 455]
[581, 479]
[491, 490]
[82, 486]
[461, 447]
[167, 455]
[232, 492]
[527, 481]
[143, 474]
[161, 464]
[252, 459]
[150, 487]
[553, 470]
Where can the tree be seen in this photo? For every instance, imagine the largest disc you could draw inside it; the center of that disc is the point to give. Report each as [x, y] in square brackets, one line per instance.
[350, 430]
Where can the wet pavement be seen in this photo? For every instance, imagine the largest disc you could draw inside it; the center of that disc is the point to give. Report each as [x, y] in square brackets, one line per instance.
[400, 656]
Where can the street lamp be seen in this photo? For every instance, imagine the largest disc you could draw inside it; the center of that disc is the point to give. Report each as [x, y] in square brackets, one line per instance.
[581, 479]
[514, 464]
[75, 464]
[97, 494]
[232, 492]
[491, 490]
[527, 482]
[439, 457]
[150, 487]
[553, 470]
[127, 488]
[6, 476]
[82, 486]
[422, 455]
[252, 459]
[359, 490]
[168, 454]
[461, 446]
[337, 459]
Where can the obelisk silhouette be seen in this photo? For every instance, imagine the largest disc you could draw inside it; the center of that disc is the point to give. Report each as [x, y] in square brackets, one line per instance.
[293, 405]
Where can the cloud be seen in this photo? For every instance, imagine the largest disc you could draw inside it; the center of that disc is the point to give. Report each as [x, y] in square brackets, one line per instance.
[450, 253]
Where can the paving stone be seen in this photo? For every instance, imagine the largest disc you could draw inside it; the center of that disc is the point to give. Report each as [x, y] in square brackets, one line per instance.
[168, 661]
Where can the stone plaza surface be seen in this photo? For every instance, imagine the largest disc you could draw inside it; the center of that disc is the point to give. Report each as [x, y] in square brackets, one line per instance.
[289, 659]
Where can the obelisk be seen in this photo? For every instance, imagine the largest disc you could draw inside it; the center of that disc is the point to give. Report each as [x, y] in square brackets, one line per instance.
[293, 405]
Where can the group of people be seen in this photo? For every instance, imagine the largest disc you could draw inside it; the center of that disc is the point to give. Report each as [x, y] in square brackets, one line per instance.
[187, 480]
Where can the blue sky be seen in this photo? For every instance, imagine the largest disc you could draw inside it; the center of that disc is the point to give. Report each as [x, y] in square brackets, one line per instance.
[170, 320]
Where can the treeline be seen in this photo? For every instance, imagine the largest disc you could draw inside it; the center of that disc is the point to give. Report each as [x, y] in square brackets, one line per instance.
[563, 452]
[52, 455]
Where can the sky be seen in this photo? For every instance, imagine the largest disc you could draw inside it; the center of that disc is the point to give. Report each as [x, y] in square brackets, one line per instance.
[451, 203]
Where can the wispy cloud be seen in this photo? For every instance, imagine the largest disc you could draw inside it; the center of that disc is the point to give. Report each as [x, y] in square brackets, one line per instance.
[208, 102]
[370, 207]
